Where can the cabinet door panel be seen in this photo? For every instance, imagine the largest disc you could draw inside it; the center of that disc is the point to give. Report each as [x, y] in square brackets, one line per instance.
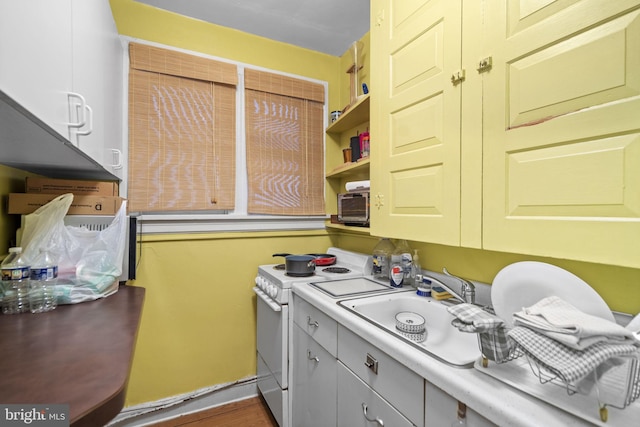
[98, 76]
[35, 52]
[314, 383]
[561, 141]
[416, 120]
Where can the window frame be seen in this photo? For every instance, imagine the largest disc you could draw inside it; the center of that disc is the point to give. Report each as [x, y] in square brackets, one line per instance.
[220, 220]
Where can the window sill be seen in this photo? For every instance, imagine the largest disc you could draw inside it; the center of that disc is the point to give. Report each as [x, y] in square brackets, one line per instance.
[203, 223]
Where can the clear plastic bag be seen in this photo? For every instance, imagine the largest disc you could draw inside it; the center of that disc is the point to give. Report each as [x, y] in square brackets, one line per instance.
[89, 261]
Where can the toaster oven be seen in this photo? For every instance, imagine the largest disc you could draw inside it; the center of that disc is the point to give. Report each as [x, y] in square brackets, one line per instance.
[353, 208]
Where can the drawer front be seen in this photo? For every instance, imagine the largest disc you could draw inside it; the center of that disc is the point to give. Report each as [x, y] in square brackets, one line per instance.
[396, 383]
[318, 325]
[360, 406]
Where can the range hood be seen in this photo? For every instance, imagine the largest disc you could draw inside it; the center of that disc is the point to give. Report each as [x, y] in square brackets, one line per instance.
[29, 144]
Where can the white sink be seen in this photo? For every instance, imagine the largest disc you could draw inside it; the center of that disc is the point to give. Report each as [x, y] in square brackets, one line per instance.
[444, 342]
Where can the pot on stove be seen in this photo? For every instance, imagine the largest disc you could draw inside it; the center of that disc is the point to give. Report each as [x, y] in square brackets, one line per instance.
[299, 265]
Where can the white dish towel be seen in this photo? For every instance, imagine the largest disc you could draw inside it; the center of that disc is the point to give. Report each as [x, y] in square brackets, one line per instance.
[557, 319]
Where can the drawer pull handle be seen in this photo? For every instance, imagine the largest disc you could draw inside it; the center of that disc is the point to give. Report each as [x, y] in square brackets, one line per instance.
[371, 363]
[310, 357]
[310, 323]
[371, 420]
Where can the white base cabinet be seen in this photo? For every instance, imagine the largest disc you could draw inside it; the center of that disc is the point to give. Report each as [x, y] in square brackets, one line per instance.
[314, 367]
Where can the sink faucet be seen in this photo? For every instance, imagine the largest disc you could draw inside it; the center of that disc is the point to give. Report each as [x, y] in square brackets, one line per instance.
[467, 289]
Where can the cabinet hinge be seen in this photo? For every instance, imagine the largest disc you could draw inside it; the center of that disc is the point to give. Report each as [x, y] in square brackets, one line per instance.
[457, 77]
[379, 18]
[485, 64]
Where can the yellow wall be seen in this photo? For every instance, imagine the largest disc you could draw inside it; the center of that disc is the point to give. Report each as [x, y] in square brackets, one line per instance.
[618, 286]
[198, 325]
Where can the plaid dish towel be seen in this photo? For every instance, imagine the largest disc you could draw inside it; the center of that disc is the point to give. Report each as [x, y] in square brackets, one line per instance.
[496, 346]
[567, 364]
[473, 318]
[557, 319]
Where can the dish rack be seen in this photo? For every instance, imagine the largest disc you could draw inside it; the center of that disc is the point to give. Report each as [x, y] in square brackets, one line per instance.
[615, 382]
[495, 346]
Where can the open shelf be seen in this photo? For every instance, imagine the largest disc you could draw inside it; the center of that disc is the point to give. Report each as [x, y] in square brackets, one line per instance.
[348, 169]
[356, 114]
[349, 228]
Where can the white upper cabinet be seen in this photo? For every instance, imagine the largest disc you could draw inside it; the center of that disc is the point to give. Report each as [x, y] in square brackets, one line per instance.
[62, 61]
[98, 76]
[36, 58]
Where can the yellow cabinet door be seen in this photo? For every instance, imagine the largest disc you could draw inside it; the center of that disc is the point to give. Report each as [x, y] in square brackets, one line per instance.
[415, 120]
[561, 129]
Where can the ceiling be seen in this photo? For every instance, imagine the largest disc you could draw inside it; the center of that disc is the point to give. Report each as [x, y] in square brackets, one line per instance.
[328, 26]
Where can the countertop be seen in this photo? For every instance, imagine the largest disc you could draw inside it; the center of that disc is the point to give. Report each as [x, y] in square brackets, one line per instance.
[498, 402]
[78, 354]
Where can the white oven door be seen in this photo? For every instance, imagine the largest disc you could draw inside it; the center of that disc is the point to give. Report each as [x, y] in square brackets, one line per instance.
[273, 336]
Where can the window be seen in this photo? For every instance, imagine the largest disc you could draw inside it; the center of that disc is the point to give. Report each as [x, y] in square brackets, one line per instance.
[184, 112]
[182, 131]
[285, 152]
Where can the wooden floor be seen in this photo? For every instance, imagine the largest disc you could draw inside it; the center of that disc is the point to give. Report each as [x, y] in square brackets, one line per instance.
[251, 412]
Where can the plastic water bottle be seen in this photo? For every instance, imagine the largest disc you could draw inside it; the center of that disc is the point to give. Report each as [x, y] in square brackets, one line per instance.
[382, 258]
[15, 282]
[44, 277]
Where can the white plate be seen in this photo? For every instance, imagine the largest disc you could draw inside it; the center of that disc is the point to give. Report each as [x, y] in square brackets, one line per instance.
[525, 283]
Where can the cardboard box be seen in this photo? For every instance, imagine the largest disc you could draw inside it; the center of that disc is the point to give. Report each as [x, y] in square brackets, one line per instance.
[24, 203]
[62, 186]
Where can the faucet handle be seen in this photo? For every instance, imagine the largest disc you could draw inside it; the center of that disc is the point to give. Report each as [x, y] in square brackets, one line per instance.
[468, 288]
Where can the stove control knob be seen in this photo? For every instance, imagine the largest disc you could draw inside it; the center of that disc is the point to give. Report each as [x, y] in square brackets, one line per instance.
[258, 280]
[274, 291]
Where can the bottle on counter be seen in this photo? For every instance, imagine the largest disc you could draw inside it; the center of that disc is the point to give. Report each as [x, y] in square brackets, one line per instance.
[396, 271]
[15, 282]
[382, 258]
[416, 269]
[404, 251]
[44, 277]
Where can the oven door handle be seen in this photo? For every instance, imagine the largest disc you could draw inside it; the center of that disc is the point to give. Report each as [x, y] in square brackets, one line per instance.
[271, 303]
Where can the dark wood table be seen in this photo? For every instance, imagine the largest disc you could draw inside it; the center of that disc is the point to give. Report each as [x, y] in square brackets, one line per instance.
[78, 354]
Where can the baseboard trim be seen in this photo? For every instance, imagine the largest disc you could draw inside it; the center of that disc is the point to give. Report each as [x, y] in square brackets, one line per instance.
[198, 400]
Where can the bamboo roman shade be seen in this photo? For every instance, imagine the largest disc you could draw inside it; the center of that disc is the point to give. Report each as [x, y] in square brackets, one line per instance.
[182, 120]
[284, 119]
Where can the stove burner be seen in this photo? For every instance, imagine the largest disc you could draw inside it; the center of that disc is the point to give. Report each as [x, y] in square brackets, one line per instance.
[339, 270]
[279, 267]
